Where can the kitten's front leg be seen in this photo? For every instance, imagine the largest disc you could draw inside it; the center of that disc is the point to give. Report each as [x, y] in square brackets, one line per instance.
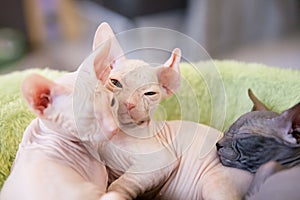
[263, 172]
[136, 182]
[225, 183]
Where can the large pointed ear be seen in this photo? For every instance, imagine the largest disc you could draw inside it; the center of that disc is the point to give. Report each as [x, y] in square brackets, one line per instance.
[110, 51]
[257, 104]
[169, 75]
[102, 62]
[39, 91]
[293, 115]
[104, 33]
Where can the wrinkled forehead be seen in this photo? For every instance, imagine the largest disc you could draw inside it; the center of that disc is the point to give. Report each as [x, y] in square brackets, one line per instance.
[136, 73]
[257, 123]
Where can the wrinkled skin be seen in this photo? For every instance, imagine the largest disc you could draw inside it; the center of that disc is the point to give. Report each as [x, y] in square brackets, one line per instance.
[160, 160]
[261, 136]
[56, 159]
[266, 143]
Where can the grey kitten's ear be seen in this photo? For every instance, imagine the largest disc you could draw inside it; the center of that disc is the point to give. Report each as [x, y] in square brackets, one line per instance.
[257, 104]
[103, 34]
[293, 115]
[169, 75]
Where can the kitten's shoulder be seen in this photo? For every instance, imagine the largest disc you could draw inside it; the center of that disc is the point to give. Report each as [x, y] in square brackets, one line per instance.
[182, 127]
[187, 125]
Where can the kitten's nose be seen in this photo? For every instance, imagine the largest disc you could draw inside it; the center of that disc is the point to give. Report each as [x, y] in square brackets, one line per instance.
[130, 106]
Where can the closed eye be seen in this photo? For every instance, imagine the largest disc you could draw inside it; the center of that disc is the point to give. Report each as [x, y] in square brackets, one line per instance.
[150, 93]
[116, 83]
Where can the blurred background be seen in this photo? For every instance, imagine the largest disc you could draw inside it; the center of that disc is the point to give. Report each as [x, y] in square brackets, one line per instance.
[58, 33]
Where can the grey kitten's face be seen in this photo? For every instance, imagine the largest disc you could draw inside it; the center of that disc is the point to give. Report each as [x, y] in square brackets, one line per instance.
[260, 136]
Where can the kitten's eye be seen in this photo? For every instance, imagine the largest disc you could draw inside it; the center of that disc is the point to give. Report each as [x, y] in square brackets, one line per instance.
[113, 101]
[149, 93]
[116, 83]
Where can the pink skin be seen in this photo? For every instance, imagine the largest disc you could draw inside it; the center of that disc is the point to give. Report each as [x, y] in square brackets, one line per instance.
[160, 160]
[56, 159]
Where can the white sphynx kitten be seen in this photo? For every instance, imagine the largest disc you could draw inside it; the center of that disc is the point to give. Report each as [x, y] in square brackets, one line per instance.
[57, 158]
[149, 159]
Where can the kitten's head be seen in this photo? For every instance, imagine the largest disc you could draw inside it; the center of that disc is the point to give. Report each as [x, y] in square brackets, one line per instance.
[76, 104]
[260, 136]
[138, 86]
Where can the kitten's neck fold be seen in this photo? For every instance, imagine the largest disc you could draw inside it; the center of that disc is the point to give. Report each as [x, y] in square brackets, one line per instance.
[63, 147]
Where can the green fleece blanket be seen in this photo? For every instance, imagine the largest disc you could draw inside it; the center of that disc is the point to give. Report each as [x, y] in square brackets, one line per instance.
[213, 93]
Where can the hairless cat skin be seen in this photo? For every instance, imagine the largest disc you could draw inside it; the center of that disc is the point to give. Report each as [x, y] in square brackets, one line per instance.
[151, 159]
[261, 136]
[55, 159]
[267, 143]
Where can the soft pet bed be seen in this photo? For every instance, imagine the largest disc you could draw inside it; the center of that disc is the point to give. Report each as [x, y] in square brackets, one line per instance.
[213, 93]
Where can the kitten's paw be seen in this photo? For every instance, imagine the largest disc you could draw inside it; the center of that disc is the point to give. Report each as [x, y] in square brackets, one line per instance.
[112, 196]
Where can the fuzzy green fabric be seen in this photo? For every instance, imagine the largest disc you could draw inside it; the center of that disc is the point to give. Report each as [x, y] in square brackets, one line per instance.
[213, 93]
[14, 116]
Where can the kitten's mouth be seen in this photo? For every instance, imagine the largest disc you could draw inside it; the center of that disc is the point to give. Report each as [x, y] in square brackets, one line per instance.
[139, 123]
[128, 120]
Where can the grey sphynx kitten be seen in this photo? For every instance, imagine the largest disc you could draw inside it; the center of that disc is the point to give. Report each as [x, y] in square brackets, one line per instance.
[261, 136]
[266, 143]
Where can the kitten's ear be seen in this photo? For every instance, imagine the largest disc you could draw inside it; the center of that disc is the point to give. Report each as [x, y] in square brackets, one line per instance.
[257, 104]
[293, 115]
[169, 75]
[104, 33]
[110, 51]
[102, 62]
[39, 92]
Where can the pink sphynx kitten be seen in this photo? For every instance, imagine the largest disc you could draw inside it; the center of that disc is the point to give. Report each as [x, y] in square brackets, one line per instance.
[150, 159]
[55, 160]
